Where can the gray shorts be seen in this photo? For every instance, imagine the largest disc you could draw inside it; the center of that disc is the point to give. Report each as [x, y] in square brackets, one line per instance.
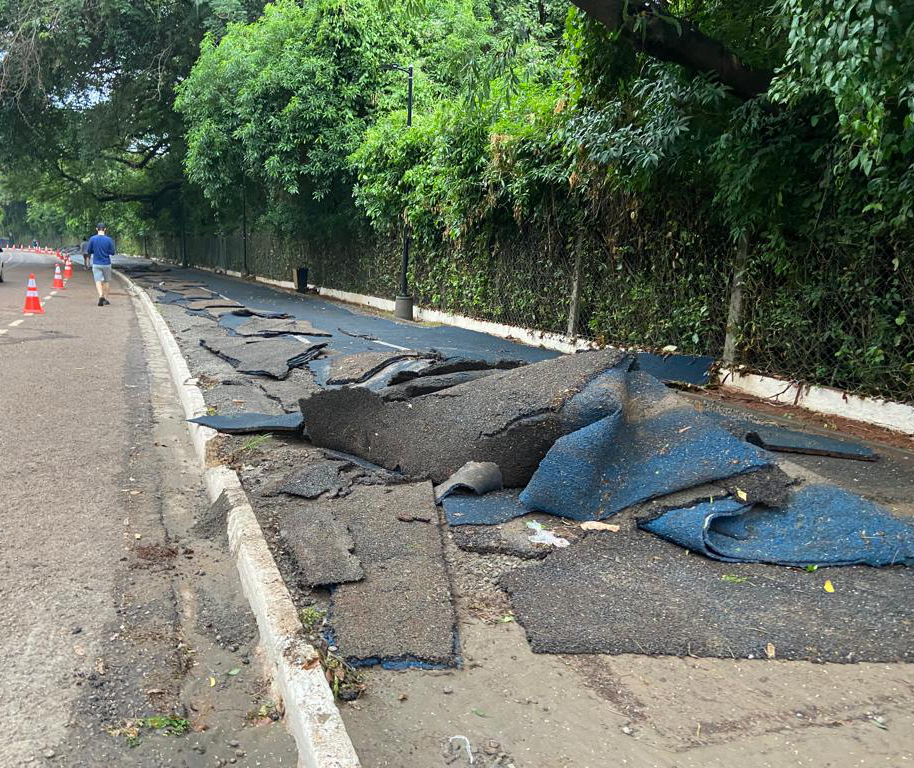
[101, 273]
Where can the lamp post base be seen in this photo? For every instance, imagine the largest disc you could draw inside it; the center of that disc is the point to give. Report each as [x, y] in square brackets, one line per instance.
[403, 308]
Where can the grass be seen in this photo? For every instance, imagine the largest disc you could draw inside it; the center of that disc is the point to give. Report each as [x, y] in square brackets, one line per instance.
[252, 443]
[166, 724]
[311, 618]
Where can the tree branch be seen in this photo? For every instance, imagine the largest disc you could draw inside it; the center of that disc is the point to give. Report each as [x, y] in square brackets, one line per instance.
[650, 30]
[146, 156]
[122, 197]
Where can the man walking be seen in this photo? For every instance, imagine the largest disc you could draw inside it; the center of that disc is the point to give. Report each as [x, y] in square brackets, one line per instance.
[101, 249]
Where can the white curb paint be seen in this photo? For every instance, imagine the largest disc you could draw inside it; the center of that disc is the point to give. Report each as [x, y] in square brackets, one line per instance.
[898, 417]
[311, 712]
[884, 413]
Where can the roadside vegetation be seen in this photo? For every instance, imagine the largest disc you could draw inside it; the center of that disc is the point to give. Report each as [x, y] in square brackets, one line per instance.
[647, 148]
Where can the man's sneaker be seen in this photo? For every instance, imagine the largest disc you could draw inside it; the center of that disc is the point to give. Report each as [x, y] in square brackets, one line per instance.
[101, 302]
[106, 301]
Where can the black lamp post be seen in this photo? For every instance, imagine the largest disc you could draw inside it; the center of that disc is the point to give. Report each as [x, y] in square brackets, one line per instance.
[244, 226]
[403, 307]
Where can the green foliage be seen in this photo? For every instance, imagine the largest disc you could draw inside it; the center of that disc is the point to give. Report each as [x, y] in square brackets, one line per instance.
[540, 141]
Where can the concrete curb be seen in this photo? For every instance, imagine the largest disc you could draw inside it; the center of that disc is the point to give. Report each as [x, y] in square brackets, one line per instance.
[889, 414]
[311, 712]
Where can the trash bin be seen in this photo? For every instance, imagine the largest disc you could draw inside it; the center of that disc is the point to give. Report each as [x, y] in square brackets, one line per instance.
[301, 279]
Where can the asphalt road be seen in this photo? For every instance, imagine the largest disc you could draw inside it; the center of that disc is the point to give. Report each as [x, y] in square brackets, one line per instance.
[110, 609]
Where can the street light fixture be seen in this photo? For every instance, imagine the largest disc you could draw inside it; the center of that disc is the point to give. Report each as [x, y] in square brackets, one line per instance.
[403, 307]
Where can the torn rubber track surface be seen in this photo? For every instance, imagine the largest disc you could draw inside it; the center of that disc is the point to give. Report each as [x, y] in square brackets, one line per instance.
[791, 441]
[262, 357]
[653, 443]
[456, 365]
[272, 326]
[321, 546]
[510, 418]
[428, 384]
[631, 592]
[358, 368]
[402, 611]
[819, 525]
[247, 422]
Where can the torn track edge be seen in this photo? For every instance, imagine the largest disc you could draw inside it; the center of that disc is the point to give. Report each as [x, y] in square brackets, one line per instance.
[311, 712]
[889, 414]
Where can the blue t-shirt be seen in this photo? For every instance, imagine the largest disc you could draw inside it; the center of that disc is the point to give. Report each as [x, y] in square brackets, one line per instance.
[101, 248]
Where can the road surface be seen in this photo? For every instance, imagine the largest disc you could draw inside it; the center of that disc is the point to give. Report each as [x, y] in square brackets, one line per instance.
[112, 609]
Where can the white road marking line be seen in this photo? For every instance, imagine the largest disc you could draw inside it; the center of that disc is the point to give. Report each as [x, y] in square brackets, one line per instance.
[387, 344]
[47, 297]
[16, 322]
[53, 293]
[3, 330]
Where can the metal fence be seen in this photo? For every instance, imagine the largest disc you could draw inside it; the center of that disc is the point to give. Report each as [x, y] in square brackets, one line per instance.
[833, 318]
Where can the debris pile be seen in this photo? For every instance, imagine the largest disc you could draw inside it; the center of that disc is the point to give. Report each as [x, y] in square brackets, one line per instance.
[516, 452]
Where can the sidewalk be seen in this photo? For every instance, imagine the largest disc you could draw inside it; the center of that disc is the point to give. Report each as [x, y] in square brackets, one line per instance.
[103, 617]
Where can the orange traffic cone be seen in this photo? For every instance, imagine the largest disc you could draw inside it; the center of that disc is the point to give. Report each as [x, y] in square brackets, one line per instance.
[67, 269]
[32, 302]
[58, 278]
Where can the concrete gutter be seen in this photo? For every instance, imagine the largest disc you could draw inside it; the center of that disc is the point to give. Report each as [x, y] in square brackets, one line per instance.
[311, 712]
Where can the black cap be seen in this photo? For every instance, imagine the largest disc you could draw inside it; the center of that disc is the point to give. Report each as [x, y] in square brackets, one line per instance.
[100, 226]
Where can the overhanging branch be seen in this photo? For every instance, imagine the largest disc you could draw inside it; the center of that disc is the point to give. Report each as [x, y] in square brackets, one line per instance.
[650, 29]
[107, 196]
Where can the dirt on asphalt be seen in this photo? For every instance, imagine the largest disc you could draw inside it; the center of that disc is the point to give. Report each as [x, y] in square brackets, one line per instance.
[506, 706]
[124, 637]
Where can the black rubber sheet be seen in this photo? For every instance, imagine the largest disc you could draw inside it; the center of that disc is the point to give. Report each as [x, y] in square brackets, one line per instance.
[358, 368]
[402, 612]
[425, 385]
[511, 418]
[453, 365]
[244, 422]
[630, 592]
[321, 546]
[271, 326]
[273, 357]
[791, 441]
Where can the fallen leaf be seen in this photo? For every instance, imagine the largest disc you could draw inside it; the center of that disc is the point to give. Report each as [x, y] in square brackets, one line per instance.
[212, 682]
[478, 712]
[506, 619]
[742, 494]
[769, 650]
[828, 586]
[233, 672]
[596, 525]
[812, 568]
